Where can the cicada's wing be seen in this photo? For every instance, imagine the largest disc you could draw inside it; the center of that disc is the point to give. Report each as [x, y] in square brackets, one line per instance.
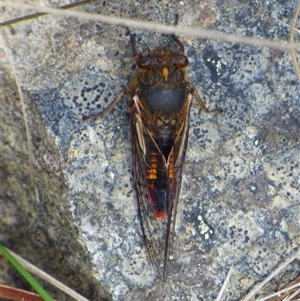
[148, 161]
[154, 229]
[179, 151]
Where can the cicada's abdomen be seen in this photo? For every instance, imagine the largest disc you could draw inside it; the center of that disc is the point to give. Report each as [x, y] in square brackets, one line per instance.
[160, 174]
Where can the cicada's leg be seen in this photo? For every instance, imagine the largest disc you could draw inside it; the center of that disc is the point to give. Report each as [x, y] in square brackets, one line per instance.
[111, 106]
[175, 38]
[133, 44]
[195, 93]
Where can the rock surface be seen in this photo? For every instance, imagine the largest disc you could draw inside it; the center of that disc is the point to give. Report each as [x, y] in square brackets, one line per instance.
[240, 196]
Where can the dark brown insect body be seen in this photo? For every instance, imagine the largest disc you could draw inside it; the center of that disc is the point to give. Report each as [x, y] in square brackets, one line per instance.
[161, 97]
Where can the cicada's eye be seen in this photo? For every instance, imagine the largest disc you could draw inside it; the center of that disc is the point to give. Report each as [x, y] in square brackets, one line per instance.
[137, 58]
[182, 61]
[144, 62]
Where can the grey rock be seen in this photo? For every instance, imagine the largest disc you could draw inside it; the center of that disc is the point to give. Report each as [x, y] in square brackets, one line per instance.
[240, 196]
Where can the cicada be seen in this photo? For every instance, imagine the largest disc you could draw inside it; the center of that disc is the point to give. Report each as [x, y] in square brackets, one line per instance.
[159, 116]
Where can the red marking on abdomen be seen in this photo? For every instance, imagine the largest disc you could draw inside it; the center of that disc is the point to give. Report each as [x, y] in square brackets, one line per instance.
[158, 214]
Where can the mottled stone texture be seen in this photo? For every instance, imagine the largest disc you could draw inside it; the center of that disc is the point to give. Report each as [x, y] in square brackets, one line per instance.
[239, 202]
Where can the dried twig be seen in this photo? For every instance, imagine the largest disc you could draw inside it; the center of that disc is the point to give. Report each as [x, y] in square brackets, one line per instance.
[292, 40]
[272, 275]
[141, 24]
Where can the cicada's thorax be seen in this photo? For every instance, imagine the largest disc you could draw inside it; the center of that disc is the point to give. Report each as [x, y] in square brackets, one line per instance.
[160, 82]
[162, 89]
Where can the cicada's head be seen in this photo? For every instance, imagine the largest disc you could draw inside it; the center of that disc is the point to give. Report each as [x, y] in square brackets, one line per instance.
[163, 60]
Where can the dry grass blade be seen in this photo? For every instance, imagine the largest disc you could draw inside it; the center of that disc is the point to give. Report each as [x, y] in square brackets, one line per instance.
[33, 16]
[36, 271]
[168, 29]
[224, 284]
[290, 292]
[12, 293]
[292, 40]
[272, 275]
[296, 295]
[30, 158]
[278, 296]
